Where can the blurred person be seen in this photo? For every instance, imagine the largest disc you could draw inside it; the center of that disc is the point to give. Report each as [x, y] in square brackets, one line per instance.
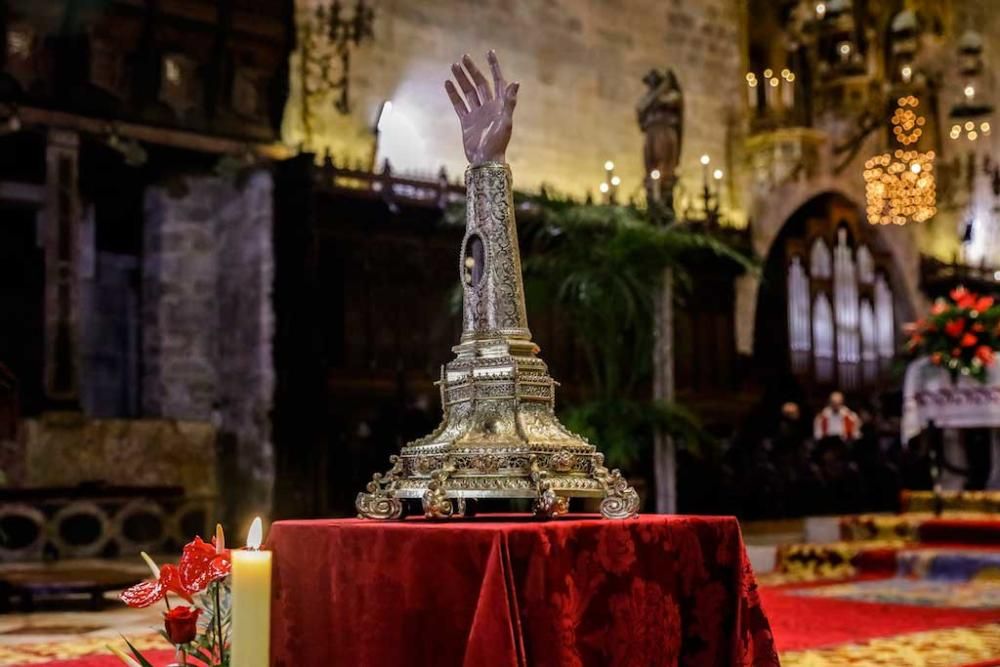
[836, 420]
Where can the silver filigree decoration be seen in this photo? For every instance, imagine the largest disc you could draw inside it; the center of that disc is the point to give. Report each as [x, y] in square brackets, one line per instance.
[621, 501]
[380, 501]
[499, 436]
[435, 501]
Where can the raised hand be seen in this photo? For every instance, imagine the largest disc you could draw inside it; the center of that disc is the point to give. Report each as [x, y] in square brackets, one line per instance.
[485, 114]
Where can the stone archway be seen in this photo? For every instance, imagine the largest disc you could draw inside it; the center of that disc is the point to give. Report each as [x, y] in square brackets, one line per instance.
[769, 215]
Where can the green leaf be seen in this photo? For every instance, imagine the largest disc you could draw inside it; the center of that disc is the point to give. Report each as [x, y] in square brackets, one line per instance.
[138, 655]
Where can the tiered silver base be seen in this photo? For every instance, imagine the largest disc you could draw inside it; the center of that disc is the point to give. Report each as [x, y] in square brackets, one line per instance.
[499, 438]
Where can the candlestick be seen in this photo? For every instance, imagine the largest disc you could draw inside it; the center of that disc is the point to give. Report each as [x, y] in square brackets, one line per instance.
[251, 603]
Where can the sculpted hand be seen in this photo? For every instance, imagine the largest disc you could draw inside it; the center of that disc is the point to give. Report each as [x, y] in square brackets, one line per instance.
[485, 116]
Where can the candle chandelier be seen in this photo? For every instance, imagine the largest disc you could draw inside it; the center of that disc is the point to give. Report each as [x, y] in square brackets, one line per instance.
[900, 186]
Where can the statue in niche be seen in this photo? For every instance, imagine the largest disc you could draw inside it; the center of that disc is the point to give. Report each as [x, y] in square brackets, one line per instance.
[661, 118]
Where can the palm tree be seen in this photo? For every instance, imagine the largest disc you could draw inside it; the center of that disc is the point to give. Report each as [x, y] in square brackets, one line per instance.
[602, 267]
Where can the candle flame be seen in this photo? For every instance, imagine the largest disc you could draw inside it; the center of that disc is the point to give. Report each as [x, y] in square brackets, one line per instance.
[220, 539]
[256, 534]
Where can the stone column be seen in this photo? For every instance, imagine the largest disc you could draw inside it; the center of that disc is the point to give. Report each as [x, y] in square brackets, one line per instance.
[208, 325]
[664, 447]
[62, 241]
[180, 317]
[244, 361]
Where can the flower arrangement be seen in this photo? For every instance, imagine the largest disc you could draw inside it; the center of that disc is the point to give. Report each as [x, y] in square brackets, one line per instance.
[961, 334]
[201, 627]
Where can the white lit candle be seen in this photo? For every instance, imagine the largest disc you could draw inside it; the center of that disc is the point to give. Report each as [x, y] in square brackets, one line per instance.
[251, 640]
[787, 93]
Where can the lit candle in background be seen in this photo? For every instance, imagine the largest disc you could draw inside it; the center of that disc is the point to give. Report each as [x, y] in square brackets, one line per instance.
[788, 88]
[771, 98]
[752, 92]
[251, 610]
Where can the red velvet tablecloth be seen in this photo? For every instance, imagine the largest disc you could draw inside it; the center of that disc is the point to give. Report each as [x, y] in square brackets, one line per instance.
[657, 590]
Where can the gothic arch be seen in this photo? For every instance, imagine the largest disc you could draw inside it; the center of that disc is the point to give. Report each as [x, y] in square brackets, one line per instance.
[824, 253]
[770, 214]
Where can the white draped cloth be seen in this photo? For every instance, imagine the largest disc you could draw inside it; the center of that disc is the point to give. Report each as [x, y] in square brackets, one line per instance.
[930, 395]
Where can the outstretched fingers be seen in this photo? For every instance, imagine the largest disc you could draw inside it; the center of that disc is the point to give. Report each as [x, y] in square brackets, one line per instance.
[463, 82]
[485, 94]
[456, 99]
[510, 97]
[499, 84]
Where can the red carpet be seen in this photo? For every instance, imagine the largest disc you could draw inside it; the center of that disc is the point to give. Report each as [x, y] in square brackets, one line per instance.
[103, 659]
[800, 622]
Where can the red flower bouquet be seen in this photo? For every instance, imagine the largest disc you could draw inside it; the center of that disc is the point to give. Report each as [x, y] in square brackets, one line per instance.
[961, 334]
[201, 580]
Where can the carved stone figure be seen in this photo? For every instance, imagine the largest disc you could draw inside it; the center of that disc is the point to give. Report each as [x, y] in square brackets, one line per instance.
[661, 117]
[499, 437]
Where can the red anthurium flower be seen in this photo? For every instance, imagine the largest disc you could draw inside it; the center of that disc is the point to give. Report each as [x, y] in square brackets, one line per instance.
[143, 594]
[969, 339]
[955, 327]
[985, 354]
[201, 564]
[181, 624]
[151, 591]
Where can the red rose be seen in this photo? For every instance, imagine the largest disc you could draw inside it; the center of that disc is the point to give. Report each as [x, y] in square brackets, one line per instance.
[963, 297]
[181, 624]
[968, 340]
[985, 354]
[955, 327]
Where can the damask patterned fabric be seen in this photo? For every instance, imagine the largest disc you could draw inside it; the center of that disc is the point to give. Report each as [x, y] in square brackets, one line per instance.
[657, 590]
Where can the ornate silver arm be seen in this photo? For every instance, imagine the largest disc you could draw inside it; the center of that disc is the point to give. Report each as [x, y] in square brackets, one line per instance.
[490, 259]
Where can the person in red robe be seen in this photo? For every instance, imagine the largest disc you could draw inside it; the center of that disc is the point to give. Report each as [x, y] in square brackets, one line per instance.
[836, 420]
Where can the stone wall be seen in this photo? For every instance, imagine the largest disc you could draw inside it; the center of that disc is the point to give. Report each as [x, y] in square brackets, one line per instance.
[580, 64]
[208, 321]
[66, 449]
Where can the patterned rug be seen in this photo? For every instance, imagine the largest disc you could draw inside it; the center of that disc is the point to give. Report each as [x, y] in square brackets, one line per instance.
[887, 621]
[976, 646]
[922, 592]
[81, 652]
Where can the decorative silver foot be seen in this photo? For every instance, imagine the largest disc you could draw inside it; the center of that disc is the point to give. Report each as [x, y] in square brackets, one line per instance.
[436, 503]
[620, 500]
[548, 503]
[380, 501]
[551, 505]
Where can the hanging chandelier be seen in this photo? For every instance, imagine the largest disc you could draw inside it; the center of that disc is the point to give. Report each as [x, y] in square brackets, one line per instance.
[900, 186]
